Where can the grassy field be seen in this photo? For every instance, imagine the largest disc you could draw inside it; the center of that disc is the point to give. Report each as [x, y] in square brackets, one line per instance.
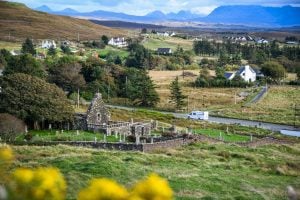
[56, 135]
[10, 45]
[155, 42]
[227, 137]
[114, 51]
[277, 107]
[197, 171]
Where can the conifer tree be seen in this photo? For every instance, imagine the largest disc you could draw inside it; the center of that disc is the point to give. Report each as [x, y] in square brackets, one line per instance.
[27, 47]
[176, 94]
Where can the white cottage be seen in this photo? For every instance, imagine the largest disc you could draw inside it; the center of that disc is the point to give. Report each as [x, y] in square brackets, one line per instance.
[119, 42]
[245, 72]
[46, 44]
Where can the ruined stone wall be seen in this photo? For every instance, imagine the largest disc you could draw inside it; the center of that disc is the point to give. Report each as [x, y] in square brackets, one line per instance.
[97, 112]
[148, 147]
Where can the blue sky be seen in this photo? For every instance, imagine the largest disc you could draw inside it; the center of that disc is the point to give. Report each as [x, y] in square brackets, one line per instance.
[141, 7]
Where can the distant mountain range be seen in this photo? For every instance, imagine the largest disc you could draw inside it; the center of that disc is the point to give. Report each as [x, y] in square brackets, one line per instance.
[248, 15]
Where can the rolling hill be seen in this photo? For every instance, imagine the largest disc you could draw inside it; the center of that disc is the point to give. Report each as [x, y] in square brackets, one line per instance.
[18, 22]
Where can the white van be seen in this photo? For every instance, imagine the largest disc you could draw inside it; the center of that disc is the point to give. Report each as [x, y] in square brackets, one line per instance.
[201, 115]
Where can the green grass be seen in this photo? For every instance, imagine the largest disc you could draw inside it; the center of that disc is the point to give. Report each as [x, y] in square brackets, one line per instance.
[275, 107]
[115, 51]
[167, 42]
[227, 137]
[197, 171]
[57, 135]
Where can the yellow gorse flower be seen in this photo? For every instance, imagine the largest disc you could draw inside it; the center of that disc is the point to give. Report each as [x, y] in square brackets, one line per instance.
[6, 154]
[152, 188]
[38, 184]
[103, 189]
[49, 184]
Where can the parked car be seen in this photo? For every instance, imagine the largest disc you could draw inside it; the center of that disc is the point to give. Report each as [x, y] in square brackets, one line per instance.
[200, 115]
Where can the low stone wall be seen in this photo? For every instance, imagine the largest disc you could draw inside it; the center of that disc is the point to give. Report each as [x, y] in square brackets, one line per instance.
[148, 147]
[96, 145]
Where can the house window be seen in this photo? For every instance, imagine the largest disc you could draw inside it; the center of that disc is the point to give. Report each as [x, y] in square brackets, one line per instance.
[98, 117]
[243, 74]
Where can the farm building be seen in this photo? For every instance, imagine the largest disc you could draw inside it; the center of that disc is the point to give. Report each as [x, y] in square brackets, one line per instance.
[118, 42]
[164, 51]
[46, 44]
[245, 72]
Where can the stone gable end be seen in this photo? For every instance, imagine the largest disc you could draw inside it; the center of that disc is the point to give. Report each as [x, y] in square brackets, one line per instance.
[97, 113]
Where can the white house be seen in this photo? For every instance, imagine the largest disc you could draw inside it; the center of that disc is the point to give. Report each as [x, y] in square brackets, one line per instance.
[119, 42]
[46, 44]
[262, 41]
[245, 72]
[164, 34]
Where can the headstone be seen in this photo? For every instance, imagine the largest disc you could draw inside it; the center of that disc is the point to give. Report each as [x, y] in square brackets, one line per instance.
[26, 129]
[151, 140]
[116, 134]
[50, 126]
[62, 131]
[163, 129]
[131, 121]
[77, 132]
[220, 137]
[95, 139]
[137, 139]
[227, 130]
[251, 138]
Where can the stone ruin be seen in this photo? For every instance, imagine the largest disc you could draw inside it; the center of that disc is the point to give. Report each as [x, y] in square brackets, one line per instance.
[97, 119]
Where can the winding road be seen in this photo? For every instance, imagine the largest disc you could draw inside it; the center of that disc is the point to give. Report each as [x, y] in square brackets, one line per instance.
[223, 120]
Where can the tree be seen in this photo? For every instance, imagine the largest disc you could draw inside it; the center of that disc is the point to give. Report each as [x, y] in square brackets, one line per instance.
[140, 88]
[33, 100]
[52, 51]
[273, 70]
[139, 56]
[176, 94]
[118, 60]
[67, 75]
[144, 31]
[10, 127]
[65, 49]
[298, 72]
[105, 39]
[24, 64]
[27, 47]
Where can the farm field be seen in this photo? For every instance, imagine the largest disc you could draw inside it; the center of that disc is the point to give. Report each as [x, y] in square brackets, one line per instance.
[277, 106]
[197, 171]
[155, 42]
[10, 45]
[198, 98]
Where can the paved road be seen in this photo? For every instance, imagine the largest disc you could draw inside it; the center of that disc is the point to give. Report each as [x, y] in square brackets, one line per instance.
[259, 95]
[222, 120]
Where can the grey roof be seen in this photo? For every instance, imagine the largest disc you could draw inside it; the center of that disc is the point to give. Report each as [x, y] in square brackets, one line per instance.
[228, 75]
[164, 50]
[240, 71]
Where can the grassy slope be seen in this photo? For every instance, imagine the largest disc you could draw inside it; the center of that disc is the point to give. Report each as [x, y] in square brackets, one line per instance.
[194, 172]
[167, 42]
[276, 107]
[23, 22]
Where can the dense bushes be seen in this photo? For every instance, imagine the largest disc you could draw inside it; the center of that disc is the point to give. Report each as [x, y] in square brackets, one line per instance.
[10, 127]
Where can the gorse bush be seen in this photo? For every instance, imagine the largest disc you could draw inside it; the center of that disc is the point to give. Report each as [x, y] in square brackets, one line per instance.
[48, 183]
